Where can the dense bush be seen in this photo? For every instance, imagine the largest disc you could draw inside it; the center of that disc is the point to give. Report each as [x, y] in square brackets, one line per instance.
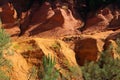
[5, 64]
[4, 40]
[47, 71]
[107, 68]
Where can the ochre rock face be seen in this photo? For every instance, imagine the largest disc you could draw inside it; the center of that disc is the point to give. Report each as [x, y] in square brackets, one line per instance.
[7, 13]
[115, 22]
[41, 20]
[114, 36]
[99, 22]
[112, 43]
[114, 50]
[57, 22]
[87, 49]
[28, 53]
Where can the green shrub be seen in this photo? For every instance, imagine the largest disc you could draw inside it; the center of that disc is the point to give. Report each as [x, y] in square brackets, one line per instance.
[4, 40]
[5, 65]
[107, 68]
[3, 75]
[48, 72]
[118, 43]
[75, 72]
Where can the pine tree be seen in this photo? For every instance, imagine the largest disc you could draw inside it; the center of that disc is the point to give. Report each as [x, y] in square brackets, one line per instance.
[5, 64]
[107, 68]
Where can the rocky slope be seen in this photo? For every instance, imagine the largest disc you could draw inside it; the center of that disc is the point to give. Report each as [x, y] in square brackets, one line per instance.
[55, 32]
[28, 53]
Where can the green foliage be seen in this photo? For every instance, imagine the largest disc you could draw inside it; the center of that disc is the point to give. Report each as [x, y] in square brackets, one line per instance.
[118, 43]
[4, 40]
[5, 65]
[107, 68]
[48, 71]
[3, 76]
[91, 71]
[75, 72]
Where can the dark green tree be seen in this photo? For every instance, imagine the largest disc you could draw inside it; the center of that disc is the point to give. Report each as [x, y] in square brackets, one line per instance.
[106, 68]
